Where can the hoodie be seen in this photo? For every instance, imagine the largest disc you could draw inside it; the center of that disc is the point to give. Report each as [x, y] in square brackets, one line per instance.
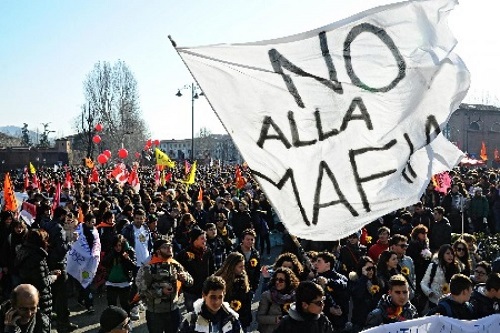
[299, 322]
[202, 320]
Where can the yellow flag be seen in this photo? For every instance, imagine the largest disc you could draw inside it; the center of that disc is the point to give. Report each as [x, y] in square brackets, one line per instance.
[163, 159]
[89, 163]
[191, 176]
[32, 168]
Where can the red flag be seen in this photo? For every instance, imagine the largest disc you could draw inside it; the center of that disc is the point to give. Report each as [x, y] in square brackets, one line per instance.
[239, 179]
[442, 182]
[120, 173]
[30, 208]
[497, 155]
[68, 182]
[57, 197]
[484, 154]
[94, 176]
[26, 177]
[8, 195]
[168, 177]
[35, 183]
[133, 180]
[200, 194]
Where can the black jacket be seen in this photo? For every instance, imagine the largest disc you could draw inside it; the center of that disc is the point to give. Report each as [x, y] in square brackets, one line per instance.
[483, 305]
[31, 263]
[449, 308]
[199, 265]
[39, 324]
[297, 322]
[386, 312]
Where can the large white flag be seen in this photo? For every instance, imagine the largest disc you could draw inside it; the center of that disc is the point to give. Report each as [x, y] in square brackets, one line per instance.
[342, 124]
[83, 260]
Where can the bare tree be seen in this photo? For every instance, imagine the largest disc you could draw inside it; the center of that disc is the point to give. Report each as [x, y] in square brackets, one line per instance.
[112, 99]
[205, 144]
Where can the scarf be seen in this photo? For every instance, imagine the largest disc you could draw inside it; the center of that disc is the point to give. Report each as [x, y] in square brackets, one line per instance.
[282, 298]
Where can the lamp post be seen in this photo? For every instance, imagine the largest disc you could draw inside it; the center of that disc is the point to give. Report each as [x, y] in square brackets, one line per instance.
[194, 95]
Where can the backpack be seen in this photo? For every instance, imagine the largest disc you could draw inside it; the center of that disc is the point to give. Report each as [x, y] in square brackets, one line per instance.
[433, 273]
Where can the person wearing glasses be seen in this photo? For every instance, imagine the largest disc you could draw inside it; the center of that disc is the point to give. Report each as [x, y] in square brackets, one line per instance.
[275, 302]
[398, 244]
[485, 296]
[483, 269]
[114, 320]
[463, 256]
[306, 314]
[365, 291]
[211, 313]
[395, 306]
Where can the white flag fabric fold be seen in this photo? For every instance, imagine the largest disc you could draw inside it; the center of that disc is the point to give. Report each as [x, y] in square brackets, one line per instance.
[441, 324]
[341, 125]
[83, 260]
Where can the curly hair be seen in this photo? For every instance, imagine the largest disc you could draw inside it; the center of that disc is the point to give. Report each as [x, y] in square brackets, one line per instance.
[227, 272]
[419, 229]
[38, 238]
[297, 269]
[292, 282]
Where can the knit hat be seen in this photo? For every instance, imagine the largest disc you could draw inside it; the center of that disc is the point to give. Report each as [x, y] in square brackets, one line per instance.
[195, 233]
[158, 243]
[111, 317]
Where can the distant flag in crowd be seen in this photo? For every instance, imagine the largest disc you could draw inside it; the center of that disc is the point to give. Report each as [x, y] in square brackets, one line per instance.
[133, 180]
[120, 173]
[89, 163]
[239, 179]
[497, 155]
[484, 154]
[200, 194]
[163, 159]
[10, 201]
[80, 216]
[68, 182]
[32, 169]
[187, 167]
[157, 176]
[94, 175]
[35, 182]
[167, 177]
[28, 212]
[57, 197]
[442, 182]
[26, 178]
[192, 175]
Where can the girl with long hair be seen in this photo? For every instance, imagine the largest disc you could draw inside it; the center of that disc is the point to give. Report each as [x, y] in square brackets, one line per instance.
[438, 274]
[238, 292]
[463, 256]
[387, 266]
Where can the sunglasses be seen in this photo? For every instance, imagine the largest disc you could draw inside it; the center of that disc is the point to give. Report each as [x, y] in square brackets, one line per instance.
[320, 302]
[280, 280]
[371, 268]
[403, 246]
[479, 272]
[460, 249]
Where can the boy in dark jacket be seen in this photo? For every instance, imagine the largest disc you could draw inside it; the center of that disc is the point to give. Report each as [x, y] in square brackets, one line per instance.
[456, 304]
[485, 297]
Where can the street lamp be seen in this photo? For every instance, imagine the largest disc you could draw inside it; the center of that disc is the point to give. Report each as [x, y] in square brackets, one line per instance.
[194, 95]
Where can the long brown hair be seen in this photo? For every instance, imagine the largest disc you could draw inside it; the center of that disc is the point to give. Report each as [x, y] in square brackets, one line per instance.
[228, 274]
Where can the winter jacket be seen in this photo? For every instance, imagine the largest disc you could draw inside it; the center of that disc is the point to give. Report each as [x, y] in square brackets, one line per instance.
[478, 207]
[58, 245]
[199, 265]
[244, 300]
[365, 295]
[439, 283]
[39, 324]
[31, 263]
[154, 276]
[269, 312]
[450, 308]
[483, 305]
[376, 249]
[297, 322]
[386, 312]
[349, 257]
[201, 320]
[252, 266]
[439, 234]
[113, 258]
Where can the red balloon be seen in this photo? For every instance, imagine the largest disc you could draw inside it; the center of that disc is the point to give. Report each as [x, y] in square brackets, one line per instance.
[107, 153]
[137, 154]
[157, 142]
[98, 127]
[96, 139]
[102, 159]
[122, 153]
[149, 142]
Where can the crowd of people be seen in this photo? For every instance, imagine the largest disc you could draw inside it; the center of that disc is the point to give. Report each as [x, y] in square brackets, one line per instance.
[190, 257]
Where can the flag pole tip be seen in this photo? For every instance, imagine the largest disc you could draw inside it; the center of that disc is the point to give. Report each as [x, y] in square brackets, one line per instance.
[174, 44]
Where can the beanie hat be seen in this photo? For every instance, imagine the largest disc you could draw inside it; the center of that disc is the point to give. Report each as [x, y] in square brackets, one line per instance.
[158, 243]
[195, 233]
[111, 317]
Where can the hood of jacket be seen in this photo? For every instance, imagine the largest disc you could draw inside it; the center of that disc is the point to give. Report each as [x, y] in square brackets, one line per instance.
[225, 305]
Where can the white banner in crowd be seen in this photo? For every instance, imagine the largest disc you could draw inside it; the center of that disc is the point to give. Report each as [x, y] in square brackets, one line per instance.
[441, 324]
[341, 125]
[83, 260]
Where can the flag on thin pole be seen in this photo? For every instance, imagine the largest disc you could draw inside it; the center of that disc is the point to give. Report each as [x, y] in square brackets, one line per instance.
[9, 196]
[191, 176]
[484, 154]
[200, 194]
[57, 197]
[163, 159]
[497, 155]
